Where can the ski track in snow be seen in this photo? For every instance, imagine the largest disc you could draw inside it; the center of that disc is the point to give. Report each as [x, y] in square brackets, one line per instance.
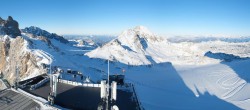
[233, 91]
[219, 80]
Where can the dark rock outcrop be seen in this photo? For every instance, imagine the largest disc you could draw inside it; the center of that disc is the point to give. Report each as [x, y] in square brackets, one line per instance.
[9, 27]
[224, 56]
[36, 31]
[1, 20]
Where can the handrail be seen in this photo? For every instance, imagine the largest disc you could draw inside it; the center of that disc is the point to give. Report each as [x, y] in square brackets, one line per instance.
[40, 83]
[78, 83]
[140, 107]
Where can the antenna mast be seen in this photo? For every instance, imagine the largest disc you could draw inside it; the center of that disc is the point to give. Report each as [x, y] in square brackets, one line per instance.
[107, 95]
[17, 78]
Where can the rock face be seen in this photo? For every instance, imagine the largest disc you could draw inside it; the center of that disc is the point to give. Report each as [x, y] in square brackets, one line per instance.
[16, 50]
[224, 56]
[36, 32]
[9, 27]
[13, 53]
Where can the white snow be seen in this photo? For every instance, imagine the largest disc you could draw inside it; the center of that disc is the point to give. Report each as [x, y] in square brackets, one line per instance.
[194, 81]
[220, 80]
[139, 47]
[190, 81]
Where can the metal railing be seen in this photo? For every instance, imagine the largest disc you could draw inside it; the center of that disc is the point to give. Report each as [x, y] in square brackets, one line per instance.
[139, 105]
[32, 87]
[5, 83]
[78, 83]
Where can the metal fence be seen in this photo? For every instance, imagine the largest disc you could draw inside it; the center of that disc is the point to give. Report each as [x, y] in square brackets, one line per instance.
[78, 83]
[139, 105]
[39, 83]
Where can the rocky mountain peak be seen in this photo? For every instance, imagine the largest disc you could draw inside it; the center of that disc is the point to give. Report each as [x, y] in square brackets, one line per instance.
[10, 18]
[36, 31]
[9, 27]
[137, 31]
[138, 37]
[138, 44]
[142, 30]
[1, 20]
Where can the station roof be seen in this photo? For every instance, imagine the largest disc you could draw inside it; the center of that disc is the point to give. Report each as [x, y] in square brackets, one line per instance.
[79, 97]
[11, 100]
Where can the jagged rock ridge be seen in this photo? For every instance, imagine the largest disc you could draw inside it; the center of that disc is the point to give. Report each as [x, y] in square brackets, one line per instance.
[9, 27]
[36, 31]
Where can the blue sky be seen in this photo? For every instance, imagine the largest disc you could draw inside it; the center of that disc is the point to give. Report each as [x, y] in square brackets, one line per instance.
[163, 17]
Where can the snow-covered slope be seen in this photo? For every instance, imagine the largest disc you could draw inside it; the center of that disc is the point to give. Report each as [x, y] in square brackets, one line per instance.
[136, 46]
[181, 87]
[204, 75]
[228, 81]
[139, 46]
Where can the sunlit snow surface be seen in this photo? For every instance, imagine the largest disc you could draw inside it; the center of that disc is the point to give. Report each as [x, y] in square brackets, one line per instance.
[228, 81]
[191, 81]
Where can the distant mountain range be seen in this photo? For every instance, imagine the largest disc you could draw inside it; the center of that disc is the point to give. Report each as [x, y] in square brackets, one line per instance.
[179, 39]
[97, 39]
